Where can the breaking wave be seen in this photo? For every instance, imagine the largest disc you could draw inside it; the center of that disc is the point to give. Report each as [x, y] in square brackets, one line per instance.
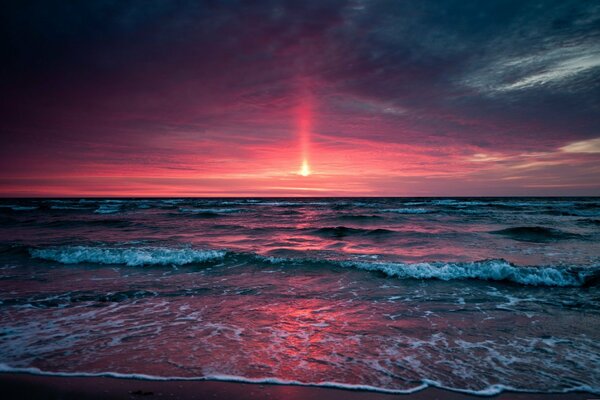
[486, 270]
[108, 209]
[131, 256]
[406, 210]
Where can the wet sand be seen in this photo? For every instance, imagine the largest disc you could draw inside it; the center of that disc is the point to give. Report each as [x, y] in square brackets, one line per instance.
[26, 386]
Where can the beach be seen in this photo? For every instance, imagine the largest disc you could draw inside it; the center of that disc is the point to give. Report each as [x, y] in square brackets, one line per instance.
[25, 386]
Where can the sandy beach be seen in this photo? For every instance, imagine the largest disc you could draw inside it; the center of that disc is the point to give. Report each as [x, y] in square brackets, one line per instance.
[26, 386]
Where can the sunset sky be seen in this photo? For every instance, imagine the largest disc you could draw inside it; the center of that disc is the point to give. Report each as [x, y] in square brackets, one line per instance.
[309, 98]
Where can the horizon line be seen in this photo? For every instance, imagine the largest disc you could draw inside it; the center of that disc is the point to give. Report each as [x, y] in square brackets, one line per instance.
[290, 197]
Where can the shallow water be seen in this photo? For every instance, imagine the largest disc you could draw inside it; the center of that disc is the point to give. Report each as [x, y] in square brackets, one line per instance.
[394, 294]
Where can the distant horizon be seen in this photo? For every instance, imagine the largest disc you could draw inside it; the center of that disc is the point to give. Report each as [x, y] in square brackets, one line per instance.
[291, 197]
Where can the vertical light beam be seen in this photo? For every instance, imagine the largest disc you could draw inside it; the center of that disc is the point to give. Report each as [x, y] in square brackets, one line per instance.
[304, 117]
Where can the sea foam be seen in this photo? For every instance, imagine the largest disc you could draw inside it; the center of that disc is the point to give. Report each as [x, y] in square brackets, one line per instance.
[490, 390]
[492, 270]
[406, 210]
[131, 256]
[486, 270]
[108, 209]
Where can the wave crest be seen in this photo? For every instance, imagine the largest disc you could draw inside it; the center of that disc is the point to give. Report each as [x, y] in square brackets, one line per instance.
[489, 270]
[406, 210]
[131, 256]
[486, 270]
[535, 234]
[490, 390]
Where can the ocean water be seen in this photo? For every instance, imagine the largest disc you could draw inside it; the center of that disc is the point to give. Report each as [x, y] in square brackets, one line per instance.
[470, 294]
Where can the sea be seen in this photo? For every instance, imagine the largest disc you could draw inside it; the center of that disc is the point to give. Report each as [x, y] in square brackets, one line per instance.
[476, 295]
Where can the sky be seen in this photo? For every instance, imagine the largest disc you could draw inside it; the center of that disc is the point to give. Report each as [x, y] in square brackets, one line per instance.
[300, 98]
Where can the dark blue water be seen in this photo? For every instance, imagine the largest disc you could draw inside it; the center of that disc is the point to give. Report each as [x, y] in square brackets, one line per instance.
[470, 294]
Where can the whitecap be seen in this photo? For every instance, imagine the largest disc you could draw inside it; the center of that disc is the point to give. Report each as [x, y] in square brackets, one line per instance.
[492, 270]
[131, 256]
[406, 210]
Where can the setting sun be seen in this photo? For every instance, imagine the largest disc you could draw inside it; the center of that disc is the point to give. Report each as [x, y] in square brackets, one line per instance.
[305, 169]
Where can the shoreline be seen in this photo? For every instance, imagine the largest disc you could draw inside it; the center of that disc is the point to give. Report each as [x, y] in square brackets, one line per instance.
[18, 385]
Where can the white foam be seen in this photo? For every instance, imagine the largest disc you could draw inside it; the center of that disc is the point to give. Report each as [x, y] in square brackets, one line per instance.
[292, 203]
[490, 270]
[494, 270]
[108, 208]
[131, 256]
[425, 383]
[406, 210]
[210, 377]
[444, 202]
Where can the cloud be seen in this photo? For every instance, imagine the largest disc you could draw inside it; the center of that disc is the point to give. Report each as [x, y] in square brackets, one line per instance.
[583, 146]
[558, 72]
[558, 66]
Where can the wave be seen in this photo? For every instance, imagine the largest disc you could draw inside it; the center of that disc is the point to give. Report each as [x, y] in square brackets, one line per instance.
[341, 231]
[108, 209]
[130, 256]
[486, 270]
[406, 210]
[207, 212]
[535, 234]
[358, 217]
[490, 390]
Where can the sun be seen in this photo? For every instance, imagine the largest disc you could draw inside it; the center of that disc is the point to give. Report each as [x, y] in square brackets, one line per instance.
[305, 169]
